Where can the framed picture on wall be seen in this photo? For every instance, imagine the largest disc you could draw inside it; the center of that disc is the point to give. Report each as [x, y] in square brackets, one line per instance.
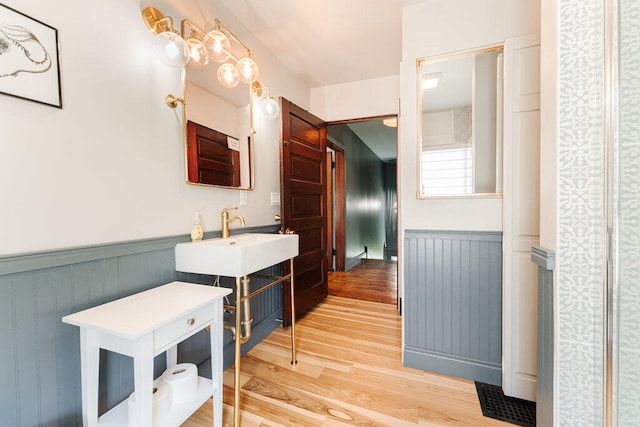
[29, 63]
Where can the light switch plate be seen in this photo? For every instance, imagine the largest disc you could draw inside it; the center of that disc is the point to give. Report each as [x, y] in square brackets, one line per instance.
[243, 197]
[275, 199]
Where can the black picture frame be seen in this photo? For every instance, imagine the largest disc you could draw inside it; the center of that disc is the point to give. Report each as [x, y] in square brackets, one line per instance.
[29, 58]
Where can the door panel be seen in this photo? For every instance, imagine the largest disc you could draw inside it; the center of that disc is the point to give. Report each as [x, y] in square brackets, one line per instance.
[211, 161]
[306, 133]
[308, 205]
[521, 215]
[310, 240]
[303, 170]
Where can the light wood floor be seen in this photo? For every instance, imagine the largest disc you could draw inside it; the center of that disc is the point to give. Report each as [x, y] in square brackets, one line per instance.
[371, 280]
[349, 373]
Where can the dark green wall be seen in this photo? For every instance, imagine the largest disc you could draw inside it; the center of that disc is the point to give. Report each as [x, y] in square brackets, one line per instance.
[365, 196]
[391, 208]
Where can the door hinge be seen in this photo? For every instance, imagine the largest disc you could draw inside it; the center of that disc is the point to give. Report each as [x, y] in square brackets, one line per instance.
[333, 252]
[333, 165]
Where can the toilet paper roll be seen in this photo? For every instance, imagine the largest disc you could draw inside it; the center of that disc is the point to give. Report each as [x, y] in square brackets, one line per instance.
[161, 405]
[182, 380]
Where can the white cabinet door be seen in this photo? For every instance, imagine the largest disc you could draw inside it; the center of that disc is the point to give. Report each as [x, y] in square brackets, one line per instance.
[521, 216]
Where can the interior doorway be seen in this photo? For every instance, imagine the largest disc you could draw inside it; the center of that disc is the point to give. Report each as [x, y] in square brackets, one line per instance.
[362, 203]
[334, 197]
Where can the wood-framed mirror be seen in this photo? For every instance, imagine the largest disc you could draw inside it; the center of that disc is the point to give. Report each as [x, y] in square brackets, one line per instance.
[214, 158]
[460, 124]
[217, 141]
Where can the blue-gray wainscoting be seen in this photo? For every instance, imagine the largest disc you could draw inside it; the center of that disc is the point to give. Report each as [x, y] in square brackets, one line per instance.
[546, 260]
[40, 355]
[453, 303]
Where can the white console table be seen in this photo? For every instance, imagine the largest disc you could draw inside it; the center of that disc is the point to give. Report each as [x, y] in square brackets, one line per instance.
[142, 326]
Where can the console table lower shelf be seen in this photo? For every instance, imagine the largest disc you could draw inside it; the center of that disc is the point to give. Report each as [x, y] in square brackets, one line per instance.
[179, 412]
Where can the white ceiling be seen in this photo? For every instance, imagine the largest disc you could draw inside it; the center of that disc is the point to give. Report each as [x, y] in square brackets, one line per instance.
[327, 42]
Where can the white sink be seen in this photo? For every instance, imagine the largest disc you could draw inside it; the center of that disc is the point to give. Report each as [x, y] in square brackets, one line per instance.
[237, 255]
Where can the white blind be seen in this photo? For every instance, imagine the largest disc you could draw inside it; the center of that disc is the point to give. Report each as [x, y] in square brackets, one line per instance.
[447, 171]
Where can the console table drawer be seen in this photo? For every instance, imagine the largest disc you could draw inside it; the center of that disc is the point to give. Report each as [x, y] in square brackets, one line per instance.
[185, 325]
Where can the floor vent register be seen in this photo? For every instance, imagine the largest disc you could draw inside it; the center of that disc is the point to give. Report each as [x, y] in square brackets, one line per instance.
[504, 408]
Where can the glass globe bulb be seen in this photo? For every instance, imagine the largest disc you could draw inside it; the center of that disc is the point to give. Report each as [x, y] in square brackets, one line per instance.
[171, 49]
[271, 108]
[247, 70]
[217, 45]
[227, 75]
[198, 55]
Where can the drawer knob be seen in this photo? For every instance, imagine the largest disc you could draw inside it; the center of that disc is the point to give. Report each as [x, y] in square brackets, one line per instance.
[191, 321]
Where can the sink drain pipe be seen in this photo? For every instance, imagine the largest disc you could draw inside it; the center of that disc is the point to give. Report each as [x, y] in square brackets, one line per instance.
[245, 324]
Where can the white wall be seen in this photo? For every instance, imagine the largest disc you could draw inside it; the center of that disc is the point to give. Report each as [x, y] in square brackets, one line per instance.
[355, 100]
[438, 27]
[549, 124]
[109, 165]
[213, 112]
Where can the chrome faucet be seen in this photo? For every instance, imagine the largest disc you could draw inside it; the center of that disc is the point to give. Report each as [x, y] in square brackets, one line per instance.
[226, 221]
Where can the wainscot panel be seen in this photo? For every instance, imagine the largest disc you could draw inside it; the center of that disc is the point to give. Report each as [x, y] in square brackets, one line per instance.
[41, 355]
[453, 303]
[545, 259]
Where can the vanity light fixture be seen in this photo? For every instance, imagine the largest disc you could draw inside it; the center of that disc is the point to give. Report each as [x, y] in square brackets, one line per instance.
[270, 106]
[196, 49]
[169, 46]
[218, 45]
[247, 69]
[177, 50]
[429, 81]
[195, 42]
[171, 49]
[227, 75]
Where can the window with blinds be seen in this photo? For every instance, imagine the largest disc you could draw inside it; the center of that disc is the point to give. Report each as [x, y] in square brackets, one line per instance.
[447, 171]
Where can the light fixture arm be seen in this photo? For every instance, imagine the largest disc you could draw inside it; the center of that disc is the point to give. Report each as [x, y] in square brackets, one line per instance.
[220, 26]
[253, 131]
[156, 22]
[169, 19]
[256, 89]
[231, 55]
[172, 100]
[183, 29]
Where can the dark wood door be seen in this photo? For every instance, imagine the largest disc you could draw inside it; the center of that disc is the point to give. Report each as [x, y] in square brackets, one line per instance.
[210, 160]
[303, 205]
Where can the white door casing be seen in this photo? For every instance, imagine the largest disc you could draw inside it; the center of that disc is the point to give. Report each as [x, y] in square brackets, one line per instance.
[521, 215]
